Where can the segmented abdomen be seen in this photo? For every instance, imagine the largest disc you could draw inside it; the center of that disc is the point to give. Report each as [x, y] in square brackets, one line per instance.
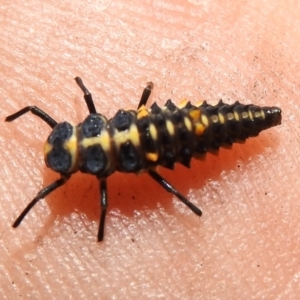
[133, 141]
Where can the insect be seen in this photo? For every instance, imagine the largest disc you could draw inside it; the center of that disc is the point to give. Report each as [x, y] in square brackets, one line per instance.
[139, 140]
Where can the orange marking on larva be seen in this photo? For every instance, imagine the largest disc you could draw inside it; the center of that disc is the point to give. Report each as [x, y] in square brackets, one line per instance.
[199, 129]
[152, 156]
[183, 103]
[195, 114]
[141, 108]
[142, 113]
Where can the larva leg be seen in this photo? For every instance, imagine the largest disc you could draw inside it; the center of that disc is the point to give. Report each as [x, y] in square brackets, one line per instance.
[146, 94]
[40, 195]
[87, 96]
[36, 111]
[103, 203]
[169, 188]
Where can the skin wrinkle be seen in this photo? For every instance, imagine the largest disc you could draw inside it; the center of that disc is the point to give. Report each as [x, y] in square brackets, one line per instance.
[246, 244]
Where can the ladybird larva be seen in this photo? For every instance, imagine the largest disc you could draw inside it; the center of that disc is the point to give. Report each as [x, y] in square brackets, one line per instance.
[139, 141]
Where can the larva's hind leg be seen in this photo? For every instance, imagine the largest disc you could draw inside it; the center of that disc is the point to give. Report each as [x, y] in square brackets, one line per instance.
[169, 188]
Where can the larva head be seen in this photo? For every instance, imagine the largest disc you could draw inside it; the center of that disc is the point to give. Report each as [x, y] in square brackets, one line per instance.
[60, 149]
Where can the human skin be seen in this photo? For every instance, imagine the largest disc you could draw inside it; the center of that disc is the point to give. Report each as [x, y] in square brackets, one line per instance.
[246, 244]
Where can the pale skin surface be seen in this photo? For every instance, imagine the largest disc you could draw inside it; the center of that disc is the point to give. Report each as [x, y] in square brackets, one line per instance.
[246, 244]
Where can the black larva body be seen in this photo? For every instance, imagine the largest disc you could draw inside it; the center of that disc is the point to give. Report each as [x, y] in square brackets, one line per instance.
[138, 141]
[162, 136]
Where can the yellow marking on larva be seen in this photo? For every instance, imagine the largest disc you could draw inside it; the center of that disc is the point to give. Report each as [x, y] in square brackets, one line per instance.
[131, 135]
[170, 127]
[250, 115]
[47, 148]
[221, 118]
[142, 113]
[153, 132]
[204, 120]
[236, 116]
[71, 144]
[134, 135]
[142, 108]
[188, 124]
[230, 116]
[120, 137]
[199, 103]
[103, 140]
[257, 114]
[183, 103]
[87, 142]
[195, 114]
[152, 156]
[263, 114]
[199, 129]
[215, 118]
[71, 147]
[245, 115]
